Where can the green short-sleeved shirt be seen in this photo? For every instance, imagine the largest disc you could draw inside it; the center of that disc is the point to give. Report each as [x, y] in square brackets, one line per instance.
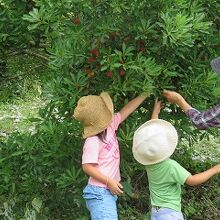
[165, 180]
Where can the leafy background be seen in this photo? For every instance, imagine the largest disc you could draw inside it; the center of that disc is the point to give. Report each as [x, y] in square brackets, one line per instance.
[53, 52]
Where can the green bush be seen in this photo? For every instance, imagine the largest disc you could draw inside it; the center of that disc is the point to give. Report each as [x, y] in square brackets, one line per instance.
[125, 48]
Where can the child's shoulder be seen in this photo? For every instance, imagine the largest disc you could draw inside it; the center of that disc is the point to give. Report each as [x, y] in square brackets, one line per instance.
[169, 163]
[92, 139]
[172, 162]
[165, 163]
[174, 165]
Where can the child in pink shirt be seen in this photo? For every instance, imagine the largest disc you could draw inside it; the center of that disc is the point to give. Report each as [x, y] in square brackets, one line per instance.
[101, 154]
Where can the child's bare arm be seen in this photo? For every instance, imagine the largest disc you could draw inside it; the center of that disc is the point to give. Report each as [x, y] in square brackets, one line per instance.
[114, 186]
[131, 106]
[202, 177]
[156, 110]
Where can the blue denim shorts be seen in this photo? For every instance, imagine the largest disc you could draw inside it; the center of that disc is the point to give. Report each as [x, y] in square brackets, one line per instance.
[100, 202]
[165, 214]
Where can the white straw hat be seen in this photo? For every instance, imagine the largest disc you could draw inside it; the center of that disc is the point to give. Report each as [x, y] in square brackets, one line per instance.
[95, 112]
[154, 141]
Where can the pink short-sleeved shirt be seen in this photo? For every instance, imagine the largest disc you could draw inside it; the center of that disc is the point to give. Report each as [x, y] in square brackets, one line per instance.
[106, 155]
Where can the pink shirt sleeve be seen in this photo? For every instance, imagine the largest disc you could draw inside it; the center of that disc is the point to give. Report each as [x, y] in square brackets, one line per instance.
[91, 150]
[116, 121]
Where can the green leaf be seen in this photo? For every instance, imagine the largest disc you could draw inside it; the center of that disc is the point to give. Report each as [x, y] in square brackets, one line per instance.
[37, 204]
[216, 92]
[116, 65]
[127, 188]
[34, 119]
[33, 26]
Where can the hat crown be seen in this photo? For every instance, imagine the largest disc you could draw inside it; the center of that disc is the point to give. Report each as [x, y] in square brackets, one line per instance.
[88, 109]
[154, 141]
[95, 112]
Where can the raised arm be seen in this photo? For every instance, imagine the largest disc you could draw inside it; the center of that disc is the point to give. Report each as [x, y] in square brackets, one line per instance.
[132, 106]
[156, 110]
[176, 98]
[202, 177]
[206, 119]
[202, 120]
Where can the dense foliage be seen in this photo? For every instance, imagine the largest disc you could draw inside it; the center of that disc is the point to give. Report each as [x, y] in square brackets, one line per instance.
[83, 47]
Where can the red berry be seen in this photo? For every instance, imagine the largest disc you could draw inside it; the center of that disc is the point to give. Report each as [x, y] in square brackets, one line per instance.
[109, 74]
[90, 73]
[91, 59]
[142, 49]
[122, 73]
[95, 52]
[76, 21]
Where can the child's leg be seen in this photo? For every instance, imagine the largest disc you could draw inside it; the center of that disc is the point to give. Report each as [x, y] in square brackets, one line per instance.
[165, 214]
[100, 203]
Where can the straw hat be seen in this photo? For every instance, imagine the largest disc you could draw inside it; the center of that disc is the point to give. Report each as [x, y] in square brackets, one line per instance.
[215, 64]
[95, 112]
[154, 141]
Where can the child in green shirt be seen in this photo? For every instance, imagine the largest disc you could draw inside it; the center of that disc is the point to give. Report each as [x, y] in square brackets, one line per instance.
[153, 144]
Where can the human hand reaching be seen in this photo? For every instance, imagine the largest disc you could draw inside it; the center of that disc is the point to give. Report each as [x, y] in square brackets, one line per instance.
[217, 168]
[158, 105]
[199, 178]
[176, 98]
[172, 96]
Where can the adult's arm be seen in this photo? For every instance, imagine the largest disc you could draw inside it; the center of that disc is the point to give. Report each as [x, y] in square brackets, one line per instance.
[202, 120]
[206, 119]
[176, 98]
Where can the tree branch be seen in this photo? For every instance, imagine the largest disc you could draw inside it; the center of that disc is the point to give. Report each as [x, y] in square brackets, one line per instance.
[26, 51]
[37, 55]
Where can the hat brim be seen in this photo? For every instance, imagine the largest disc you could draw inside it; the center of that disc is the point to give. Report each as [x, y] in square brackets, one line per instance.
[90, 131]
[215, 64]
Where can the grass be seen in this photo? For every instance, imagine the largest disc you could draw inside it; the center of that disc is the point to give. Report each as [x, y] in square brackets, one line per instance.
[20, 93]
[14, 116]
[207, 149]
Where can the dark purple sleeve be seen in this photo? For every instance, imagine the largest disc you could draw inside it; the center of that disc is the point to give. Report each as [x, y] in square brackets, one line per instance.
[206, 119]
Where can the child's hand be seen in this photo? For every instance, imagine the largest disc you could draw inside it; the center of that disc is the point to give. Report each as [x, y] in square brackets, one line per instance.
[115, 187]
[158, 105]
[217, 167]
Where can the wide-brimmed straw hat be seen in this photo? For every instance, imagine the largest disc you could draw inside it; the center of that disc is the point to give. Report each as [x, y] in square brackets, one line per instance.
[95, 112]
[154, 141]
[215, 64]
